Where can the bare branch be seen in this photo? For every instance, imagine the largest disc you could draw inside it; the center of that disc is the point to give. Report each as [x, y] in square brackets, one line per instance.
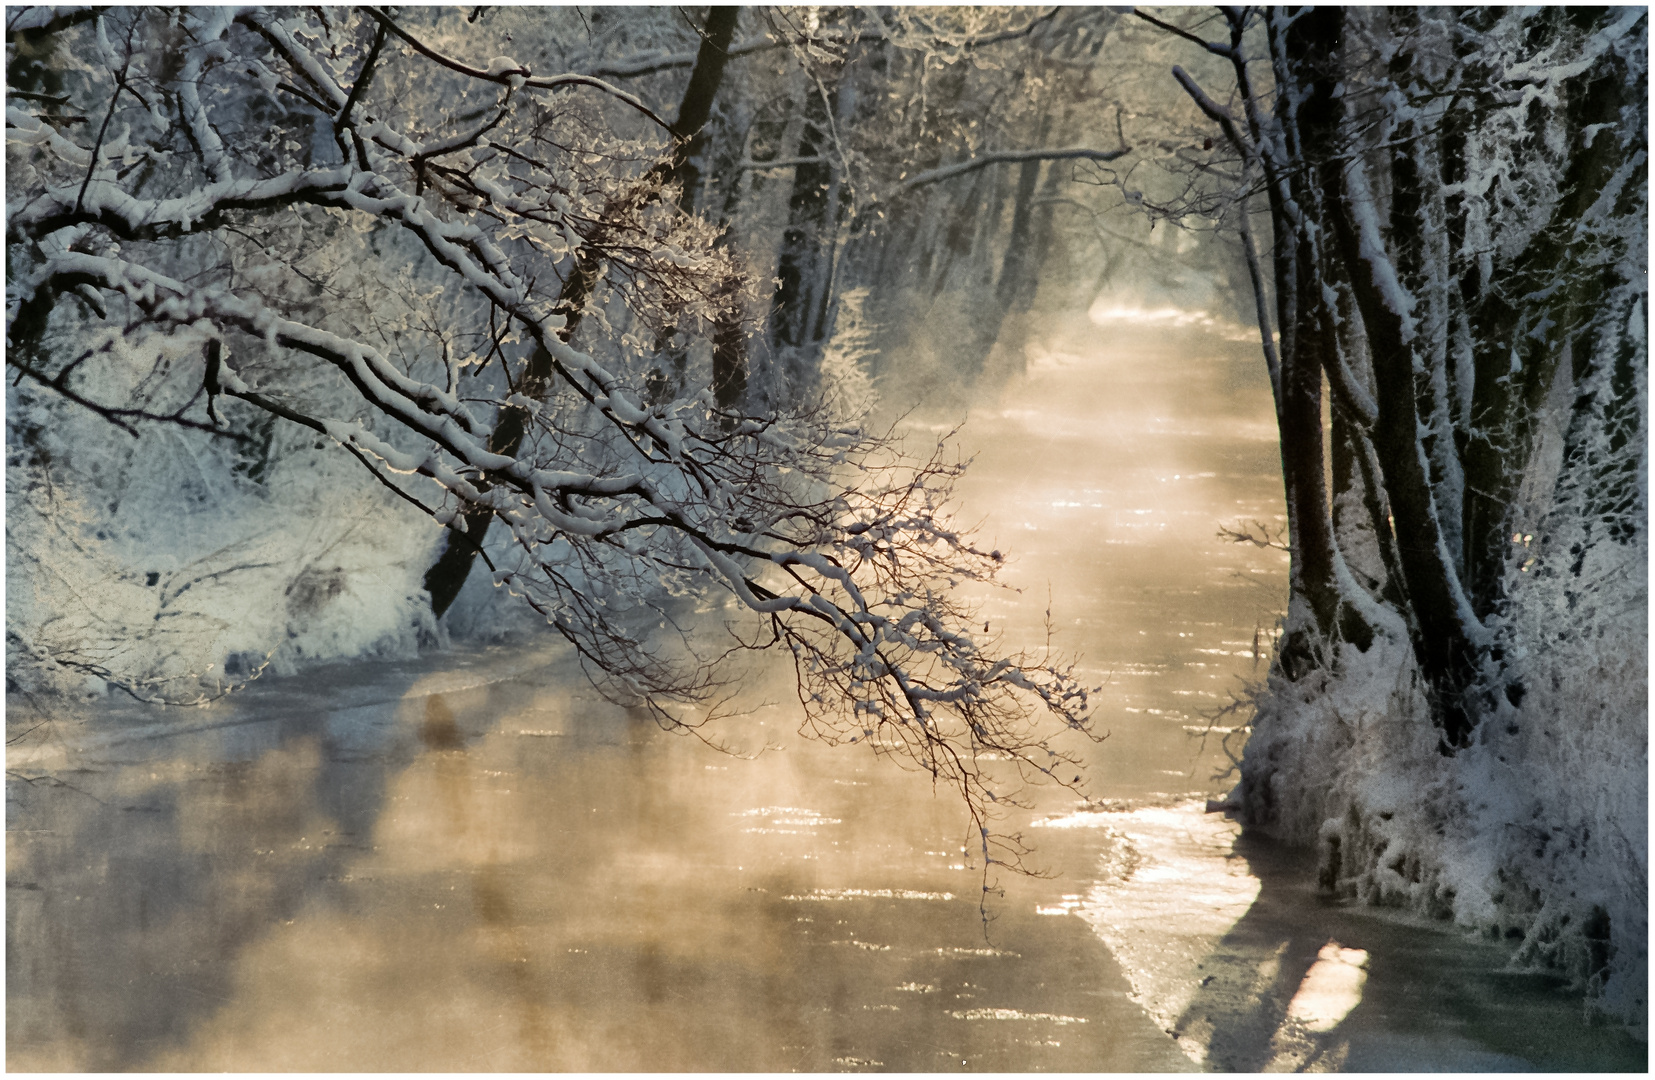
[514, 76]
[1216, 113]
[633, 67]
[1007, 157]
[1214, 47]
[1256, 533]
[120, 416]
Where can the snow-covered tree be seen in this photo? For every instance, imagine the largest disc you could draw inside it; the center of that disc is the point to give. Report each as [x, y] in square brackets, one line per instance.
[334, 230]
[1457, 217]
[1455, 225]
[911, 157]
[942, 140]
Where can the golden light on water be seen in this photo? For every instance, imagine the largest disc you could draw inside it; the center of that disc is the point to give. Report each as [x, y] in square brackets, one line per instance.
[1330, 989]
[1104, 470]
[1107, 311]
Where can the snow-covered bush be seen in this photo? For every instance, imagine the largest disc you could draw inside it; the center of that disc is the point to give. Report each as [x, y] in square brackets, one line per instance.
[1537, 833]
[173, 570]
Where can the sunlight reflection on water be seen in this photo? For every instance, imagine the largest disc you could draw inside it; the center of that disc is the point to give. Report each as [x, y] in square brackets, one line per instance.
[1105, 312]
[1106, 470]
[1330, 989]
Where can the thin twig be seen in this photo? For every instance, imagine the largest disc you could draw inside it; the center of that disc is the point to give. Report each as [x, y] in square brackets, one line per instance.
[505, 78]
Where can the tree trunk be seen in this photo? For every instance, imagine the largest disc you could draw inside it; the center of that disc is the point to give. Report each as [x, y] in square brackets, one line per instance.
[689, 135]
[1018, 266]
[1308, 321]
[798, 272]
[689, 128]
[1463, 343]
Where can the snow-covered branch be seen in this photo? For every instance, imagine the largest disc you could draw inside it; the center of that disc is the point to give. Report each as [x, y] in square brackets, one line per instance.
[356, 263]
[507, 72]
[1007, 157]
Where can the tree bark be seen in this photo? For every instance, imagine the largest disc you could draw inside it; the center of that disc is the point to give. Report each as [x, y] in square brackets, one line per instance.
[1441, 625]
[1309, 117]
[689, 128]
[689, 144]
[798, 270]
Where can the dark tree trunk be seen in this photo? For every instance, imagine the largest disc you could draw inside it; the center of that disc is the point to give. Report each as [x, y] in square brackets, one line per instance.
[689, 135]
[447, 575]
[730, 364]
[1308, 340]
[1440, 626]
[1019, 262]
[689, 128]
[798, 271]
[838, 206]
[1017, 267]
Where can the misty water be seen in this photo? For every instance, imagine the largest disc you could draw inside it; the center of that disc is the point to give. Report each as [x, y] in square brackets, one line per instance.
[472, 862]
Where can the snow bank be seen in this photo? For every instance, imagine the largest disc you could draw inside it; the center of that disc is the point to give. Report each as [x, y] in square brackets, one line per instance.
[151, 564]
[1538, 833]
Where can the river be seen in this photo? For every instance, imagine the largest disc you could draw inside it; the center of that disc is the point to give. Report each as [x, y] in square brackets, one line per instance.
[471, 862]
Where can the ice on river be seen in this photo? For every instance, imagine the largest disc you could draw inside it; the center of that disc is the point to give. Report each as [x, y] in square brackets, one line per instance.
[1229, 949]
[1168, 890]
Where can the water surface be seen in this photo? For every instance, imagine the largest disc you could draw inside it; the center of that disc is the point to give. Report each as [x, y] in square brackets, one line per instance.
[473, 863]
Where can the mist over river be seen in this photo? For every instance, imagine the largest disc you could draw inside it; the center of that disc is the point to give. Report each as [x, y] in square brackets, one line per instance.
[472, 862]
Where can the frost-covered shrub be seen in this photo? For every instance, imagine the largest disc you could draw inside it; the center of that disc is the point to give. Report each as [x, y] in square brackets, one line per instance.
[167, 564]
[1536, 834]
